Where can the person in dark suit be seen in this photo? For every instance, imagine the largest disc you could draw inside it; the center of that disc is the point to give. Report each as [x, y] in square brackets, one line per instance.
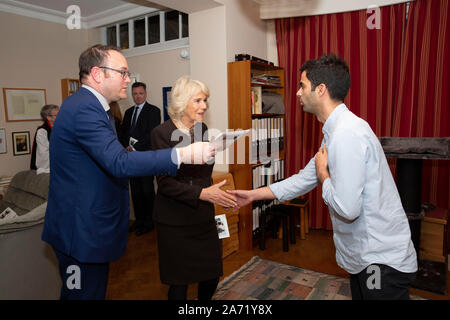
[189, 248]
[87, 213]
[138, 123]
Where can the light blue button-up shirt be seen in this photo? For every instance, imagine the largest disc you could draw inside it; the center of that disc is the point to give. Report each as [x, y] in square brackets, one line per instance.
[369, 223]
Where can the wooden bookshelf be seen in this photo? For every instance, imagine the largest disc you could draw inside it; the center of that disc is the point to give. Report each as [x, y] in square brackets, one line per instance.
[240, 117]
[69, 86]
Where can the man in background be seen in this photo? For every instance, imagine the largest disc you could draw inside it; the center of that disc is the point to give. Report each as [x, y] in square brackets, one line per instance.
[137, 125]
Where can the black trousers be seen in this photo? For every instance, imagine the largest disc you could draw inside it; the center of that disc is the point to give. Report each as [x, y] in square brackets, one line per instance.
[143, 196]
[206, 290]
[82, 281]
[381, 282]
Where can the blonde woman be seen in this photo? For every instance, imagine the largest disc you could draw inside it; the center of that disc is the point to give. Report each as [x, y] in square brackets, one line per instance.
[188, 244]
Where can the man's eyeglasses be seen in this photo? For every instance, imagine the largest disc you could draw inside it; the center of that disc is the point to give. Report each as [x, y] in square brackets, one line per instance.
[124, 73]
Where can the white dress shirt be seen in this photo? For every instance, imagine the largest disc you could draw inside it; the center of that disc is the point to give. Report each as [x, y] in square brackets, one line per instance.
[369, 223]
[139, 109]
[42, 152]
[138, 112]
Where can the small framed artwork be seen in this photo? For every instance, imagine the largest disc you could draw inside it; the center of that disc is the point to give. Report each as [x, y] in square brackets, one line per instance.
[21, 143]
[2, 141]
[23, 104]
[222, 226]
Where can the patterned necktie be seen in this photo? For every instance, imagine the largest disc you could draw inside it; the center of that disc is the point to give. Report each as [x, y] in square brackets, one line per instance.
[134, 120]
[111, 121]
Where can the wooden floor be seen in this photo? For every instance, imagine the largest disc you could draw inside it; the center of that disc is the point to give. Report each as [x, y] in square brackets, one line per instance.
[136, 275]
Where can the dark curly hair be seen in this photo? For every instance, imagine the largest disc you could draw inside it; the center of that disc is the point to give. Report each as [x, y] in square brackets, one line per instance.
[331, 71]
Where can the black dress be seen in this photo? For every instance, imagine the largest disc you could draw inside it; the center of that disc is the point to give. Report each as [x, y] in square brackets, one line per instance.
[188, 244]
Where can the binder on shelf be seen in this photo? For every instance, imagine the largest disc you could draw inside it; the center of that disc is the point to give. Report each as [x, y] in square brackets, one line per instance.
[253, 101]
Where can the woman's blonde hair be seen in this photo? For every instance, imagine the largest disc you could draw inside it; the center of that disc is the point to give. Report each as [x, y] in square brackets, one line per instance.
[183, 90]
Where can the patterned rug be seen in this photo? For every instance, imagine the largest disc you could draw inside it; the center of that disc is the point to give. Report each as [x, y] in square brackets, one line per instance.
[261, 279]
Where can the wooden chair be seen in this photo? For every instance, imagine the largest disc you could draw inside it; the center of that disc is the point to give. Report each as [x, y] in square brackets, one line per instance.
[278, 214]
[302, 205]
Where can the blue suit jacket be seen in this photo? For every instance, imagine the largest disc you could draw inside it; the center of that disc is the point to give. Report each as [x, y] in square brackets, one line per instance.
[88, 203]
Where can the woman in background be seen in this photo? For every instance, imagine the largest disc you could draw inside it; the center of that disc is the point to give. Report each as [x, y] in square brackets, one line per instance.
[117, 114]
[188, 244]
[40, 158]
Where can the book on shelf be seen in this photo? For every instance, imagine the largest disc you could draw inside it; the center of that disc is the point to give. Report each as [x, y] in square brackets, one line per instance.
[268, 80]
[256, 100]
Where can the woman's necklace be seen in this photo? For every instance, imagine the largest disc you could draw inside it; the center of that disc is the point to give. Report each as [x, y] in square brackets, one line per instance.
[182, 127]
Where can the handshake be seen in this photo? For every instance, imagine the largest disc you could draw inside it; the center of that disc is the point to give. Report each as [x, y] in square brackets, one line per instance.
[196, 153]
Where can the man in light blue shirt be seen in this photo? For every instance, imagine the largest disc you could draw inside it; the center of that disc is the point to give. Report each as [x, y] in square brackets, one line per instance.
[371, 231]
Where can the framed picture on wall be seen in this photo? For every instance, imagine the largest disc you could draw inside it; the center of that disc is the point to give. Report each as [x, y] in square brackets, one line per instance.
[166, 101]
[23, 104]
[2, 141]
[21, 143]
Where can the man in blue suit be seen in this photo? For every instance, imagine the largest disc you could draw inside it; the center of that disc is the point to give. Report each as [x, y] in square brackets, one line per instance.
[87, 214]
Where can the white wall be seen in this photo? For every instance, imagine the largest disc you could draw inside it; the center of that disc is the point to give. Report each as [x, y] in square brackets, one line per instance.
[215, 36]
[207, 38]
[156, 70]
[272, 51]
[246, 32]
[35, 54]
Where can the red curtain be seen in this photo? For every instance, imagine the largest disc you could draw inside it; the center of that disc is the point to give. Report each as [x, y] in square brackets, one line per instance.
[423, 108]
[378, 69]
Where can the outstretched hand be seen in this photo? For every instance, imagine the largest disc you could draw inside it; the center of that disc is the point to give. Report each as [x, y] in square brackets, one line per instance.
[243, 198]
[216, 195]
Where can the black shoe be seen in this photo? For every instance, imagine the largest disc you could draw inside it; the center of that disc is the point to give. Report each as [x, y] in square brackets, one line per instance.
[143, 230]
[134, 227]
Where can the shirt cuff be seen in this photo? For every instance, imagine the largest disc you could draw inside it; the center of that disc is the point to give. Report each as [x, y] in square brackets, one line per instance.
[276, 191]
[178, 157]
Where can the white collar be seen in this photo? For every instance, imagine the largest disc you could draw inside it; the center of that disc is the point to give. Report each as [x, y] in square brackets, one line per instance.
[100, 98]
[141, 105]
